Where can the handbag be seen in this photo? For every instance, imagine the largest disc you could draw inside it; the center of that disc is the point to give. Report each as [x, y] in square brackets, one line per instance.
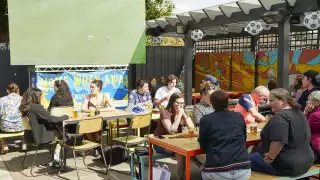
[115, 154]
[71, 137]
[160, 173]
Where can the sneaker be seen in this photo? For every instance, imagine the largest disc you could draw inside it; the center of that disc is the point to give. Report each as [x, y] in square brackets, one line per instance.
[56, 164]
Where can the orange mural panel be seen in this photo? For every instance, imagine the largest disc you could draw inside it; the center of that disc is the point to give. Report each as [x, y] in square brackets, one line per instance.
[218, 65]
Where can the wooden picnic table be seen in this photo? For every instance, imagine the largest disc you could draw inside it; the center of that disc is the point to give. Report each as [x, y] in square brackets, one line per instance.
[188, 147]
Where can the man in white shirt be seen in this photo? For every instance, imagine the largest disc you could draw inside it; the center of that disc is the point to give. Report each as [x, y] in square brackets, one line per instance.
[163, 94]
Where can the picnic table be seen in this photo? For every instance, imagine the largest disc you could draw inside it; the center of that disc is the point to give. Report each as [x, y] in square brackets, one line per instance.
[188, 147]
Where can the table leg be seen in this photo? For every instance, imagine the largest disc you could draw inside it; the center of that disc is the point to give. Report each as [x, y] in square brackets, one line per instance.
[118, 129]
[187, 167]
[150, 161]
[194, 100]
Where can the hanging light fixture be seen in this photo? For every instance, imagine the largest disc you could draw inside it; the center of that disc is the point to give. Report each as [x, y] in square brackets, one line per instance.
[254, 28]
[312, 20]
[197, 34]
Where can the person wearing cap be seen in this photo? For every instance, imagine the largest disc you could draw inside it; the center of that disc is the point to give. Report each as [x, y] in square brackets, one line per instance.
[248, 105]
[210, 78]
[309, 83]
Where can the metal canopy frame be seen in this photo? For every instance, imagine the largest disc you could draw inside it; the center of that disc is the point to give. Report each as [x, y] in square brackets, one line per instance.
[79, 68]
[226, 22]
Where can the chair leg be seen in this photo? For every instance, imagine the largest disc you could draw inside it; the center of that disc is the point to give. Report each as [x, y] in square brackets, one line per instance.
[34, 160]
[132, 166]
[74, 157]
[141, 163]
[104, 160]
[24, 158]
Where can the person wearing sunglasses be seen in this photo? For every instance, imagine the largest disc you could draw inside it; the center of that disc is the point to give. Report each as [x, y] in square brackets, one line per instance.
[248, 105]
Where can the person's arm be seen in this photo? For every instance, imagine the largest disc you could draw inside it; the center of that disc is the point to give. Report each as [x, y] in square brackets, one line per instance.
[166, 122]
[196, 115]
[203, 134]
[84, 107]
[278, 137]
[158, 99]
[131, 100]
[52, 101]
[107, 101]
[188, 121]
[46, 117]
[254, 113]
[314, 122]
[246, 103]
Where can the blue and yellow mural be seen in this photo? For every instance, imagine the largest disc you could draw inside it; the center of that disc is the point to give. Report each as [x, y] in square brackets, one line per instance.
[242, 65]
[115, 84]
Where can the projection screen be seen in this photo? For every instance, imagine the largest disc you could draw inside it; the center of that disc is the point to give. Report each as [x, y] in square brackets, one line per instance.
[76, 32]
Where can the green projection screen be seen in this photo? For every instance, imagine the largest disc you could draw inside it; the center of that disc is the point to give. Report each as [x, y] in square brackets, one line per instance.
[76, 32]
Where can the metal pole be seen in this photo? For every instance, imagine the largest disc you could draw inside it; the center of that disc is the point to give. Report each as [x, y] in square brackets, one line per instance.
[283, 53]
[188, 78]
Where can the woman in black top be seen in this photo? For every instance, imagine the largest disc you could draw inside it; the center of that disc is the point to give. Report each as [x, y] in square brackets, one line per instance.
[285, 140]
[41, 121]
[223, 136]
[62, 97]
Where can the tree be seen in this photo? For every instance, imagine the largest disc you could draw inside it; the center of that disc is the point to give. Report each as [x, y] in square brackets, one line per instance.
[158, 8]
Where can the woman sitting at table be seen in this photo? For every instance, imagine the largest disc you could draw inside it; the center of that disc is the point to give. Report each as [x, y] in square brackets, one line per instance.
[10, 117]
[62, 96]
[223, 137]
[42, 122]
[204, 106]
[93, 101]
[285, 140]
[312, 111]
[172, 119]
[96, 99]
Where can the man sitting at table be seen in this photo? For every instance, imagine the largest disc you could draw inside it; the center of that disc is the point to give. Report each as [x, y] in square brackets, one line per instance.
[163, 94]
[140, 96]
[248, 104]
[223, 137]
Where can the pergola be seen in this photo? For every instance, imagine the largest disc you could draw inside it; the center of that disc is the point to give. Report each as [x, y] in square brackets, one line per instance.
[229, 20]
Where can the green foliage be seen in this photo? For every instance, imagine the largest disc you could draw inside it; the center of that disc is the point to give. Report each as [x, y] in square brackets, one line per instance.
[158, 8]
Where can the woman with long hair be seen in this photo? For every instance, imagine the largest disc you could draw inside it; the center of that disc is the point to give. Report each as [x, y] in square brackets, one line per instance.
[62, 96]
[10, 116]
[96, 98]
[42, 122]
[172, 119]
[286, 135]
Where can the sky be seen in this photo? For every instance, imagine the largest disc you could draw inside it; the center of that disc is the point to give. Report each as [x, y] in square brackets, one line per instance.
[182, 6]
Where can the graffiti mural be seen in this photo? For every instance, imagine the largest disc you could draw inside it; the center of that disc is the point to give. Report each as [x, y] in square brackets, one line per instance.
[242, 66]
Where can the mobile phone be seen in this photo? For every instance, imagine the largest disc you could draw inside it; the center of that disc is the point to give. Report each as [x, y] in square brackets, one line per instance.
[160, 137]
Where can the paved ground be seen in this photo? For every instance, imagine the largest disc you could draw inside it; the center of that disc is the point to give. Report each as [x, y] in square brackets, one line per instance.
[10, 168]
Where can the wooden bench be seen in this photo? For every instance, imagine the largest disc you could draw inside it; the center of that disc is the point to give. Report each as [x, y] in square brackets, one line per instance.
[4, 136]
[314, 170]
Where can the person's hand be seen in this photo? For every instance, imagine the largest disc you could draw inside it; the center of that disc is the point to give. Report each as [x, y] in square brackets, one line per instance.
[166, 98]
[309, 107]
[181, 111]
[267, 159]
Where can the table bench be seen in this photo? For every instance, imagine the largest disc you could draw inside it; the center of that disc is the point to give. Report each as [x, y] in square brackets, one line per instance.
[314, 170]
[4, 136]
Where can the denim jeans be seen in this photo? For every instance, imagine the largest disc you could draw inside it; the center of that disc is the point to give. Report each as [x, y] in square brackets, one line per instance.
[239, 174]
[258, 164]
[161, 150]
